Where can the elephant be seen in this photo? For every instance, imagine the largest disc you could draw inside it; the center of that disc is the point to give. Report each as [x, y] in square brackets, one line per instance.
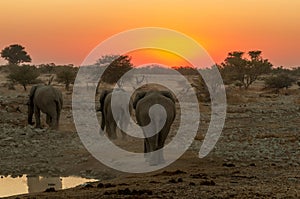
[154, 140]
[47, 99]
[120, 108]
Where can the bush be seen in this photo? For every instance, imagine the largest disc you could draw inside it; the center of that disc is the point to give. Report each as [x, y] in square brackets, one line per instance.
[66, 75]
[24, 75]
[47, 68]
[280, 81]
[238, 68]
[118, 66]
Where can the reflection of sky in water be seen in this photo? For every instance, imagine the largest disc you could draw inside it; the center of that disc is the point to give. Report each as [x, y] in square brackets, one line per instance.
[12, 186]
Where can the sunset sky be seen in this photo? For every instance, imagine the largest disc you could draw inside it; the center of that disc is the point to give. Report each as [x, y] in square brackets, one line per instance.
[65, 31]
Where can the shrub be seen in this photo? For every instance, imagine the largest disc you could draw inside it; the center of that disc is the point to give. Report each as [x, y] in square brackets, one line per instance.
[24, 75]
[280, 81]
[66, 75]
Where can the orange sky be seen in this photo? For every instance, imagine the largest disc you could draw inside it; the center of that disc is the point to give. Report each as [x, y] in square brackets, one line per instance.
[65, 31]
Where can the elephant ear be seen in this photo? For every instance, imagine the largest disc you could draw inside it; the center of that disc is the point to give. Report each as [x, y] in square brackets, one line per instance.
[168, 95]
[138, 96]
[103, 95]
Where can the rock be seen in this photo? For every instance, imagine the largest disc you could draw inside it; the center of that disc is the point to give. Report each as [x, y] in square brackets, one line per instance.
[109, 185]
[8, 139]
[87, 185]
[208, 183]
[292, 180]
[228, 165]
[124, 191]
[39, 130]
[179, 180]
[172, 181]
[51, 189]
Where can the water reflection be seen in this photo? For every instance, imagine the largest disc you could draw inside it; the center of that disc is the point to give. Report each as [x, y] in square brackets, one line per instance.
[39, 184]
[29, 184]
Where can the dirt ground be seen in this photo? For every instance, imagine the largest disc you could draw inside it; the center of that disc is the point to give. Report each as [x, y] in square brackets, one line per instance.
[257, 156]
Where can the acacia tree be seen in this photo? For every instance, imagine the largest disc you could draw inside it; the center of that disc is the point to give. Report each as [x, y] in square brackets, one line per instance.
[15, 54]
[117, 67]
[24, 75]
[66, 75]
[237, 68]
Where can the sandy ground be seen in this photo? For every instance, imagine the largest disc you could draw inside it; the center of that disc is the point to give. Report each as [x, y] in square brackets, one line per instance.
[257, 155]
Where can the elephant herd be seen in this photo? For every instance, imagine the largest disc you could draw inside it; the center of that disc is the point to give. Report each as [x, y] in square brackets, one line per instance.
[49, 100]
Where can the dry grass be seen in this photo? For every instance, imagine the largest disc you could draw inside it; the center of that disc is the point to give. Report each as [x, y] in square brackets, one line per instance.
[235, 96]
[199, 136]
[297, 101]
[287, 136]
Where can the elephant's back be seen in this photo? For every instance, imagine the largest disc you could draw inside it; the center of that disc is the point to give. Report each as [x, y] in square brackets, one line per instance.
[45, 91]
[47, 94]
[144, 105]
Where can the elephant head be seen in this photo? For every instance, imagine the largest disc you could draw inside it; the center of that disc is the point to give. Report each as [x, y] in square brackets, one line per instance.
[154, 140]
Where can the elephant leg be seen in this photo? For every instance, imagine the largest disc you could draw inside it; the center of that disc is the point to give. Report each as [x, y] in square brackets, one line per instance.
[57, 118]
[146, 147]
[124, 135]
[153, 159]
[146, 150]
[37, 116]
[48, 119]
[162, 136]
[111, 130]
[123, 124]
[53, 115]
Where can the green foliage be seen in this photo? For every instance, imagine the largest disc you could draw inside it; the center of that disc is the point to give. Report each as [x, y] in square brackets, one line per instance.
[66, 75]
[117, 67]
[296, 71]
[244, 70]
[15, 54]
[186, 70]
[4, 68]
[281, 70]
[47, 68]
[279, 81]
[24, 75]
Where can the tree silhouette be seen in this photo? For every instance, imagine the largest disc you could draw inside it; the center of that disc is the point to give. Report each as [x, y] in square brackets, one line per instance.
[15, 54]
[24, 75]
[66, 74]
[117, 67]
[236, 68]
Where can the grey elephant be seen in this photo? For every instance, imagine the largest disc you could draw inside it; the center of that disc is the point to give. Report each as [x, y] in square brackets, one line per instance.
[120, 108]
[47, 99]
[154, 140]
